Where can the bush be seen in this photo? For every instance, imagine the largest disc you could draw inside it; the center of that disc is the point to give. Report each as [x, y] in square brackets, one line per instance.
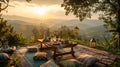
[16, 62]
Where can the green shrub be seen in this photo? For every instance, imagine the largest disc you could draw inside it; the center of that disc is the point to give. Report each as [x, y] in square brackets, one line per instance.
[16, 62]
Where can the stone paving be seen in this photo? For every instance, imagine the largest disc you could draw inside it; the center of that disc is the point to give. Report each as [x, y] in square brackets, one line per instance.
[103, 56]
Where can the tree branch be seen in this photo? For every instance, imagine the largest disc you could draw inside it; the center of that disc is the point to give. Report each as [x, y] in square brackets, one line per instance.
[4, 8]
[114, 6]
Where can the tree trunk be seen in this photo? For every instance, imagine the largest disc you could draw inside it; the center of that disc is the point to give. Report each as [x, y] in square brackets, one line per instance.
[119, 39]
[118, 23]
[0, 7]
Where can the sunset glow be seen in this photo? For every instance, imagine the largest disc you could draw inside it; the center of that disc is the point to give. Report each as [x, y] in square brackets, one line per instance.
[37, 11]
[40, 33]
[41, 10]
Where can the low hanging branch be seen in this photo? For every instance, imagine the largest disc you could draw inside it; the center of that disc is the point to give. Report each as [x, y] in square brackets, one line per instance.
[6, 4]
[3, 2]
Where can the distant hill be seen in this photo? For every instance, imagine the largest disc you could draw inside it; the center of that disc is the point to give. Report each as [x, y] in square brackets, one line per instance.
[21, 27]
[52, 22]
[98, 31]
[88, 28]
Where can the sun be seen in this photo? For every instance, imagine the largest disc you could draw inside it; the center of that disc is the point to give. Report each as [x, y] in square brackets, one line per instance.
[41, 10]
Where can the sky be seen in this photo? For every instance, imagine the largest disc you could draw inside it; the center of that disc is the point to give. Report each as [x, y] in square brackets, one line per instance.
[38, 9]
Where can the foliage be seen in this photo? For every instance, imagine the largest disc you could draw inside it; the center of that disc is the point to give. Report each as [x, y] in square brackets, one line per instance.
[16, 62]
[5, 3]
[115, 64]
[84, 8]
[4, 28]
[80, 41]
[102, 45]
[66, 33]
[109, 11]
[80, 8]
[76, 32]
[62, 32]
[17, 39]
[7, 32]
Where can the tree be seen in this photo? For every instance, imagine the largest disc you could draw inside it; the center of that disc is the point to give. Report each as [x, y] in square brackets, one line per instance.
[40, 32]
[7, 32]
[47, 32]
[3, 7]
[35, 32]
[65, 32]
[108, 10]
[5, 3]
[76, 32]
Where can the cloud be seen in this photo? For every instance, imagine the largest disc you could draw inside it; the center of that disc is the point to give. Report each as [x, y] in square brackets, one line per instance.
[43, 2]
[32, 9]
[47, 2]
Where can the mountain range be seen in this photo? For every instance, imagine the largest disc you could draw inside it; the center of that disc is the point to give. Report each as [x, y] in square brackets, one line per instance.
[88, 27]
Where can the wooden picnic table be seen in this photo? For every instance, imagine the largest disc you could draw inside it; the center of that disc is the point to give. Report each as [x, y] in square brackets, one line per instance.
[60, 51]
[56, 46]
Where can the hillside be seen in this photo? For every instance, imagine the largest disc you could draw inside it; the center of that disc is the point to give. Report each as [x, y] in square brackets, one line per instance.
[88, 28]
[21, 27]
